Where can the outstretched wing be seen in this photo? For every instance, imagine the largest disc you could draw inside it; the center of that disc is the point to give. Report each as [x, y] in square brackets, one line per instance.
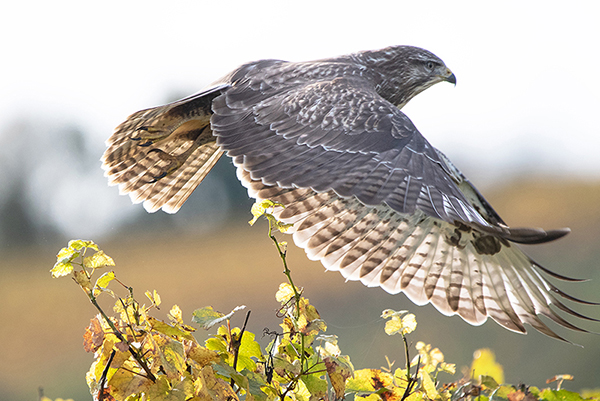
[458, 269]
[341, 135]
[370, 197]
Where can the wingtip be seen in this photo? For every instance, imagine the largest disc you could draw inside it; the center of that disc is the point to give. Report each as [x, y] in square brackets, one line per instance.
[534, 236]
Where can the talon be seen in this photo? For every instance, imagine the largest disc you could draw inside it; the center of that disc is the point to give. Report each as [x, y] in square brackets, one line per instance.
[155, 179]
[151, 134]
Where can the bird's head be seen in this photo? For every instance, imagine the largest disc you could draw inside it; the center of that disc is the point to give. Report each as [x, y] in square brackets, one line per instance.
[402, 72]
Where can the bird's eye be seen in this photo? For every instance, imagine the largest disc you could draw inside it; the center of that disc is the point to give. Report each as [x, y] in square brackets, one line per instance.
[430, 65]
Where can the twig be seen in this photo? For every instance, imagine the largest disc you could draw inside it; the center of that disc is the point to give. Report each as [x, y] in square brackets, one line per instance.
[410, 381]
[286, 271]
[104, 375]
[133, 351]
[237, 344]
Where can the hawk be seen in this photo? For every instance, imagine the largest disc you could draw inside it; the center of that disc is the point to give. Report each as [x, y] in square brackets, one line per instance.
[367, 194]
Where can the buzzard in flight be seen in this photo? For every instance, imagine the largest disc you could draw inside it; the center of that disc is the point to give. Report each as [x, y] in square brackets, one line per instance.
[367, 193]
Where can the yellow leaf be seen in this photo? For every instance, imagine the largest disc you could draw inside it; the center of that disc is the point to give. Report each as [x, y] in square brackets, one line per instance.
[175, 314]
[61, 269]
[213, 388]
[388, 313]
[169, 330]
[409, 323]
[397, 324]
[301, 391]
[98, 260]
[436, 356]
[103, 281]
[83, 280]
[202, 355]
[281, 226]
[164, 353]
[128, 381]
[258, 209]
[393, 326]
[338, 369]
[428, 385]
[329, 346]
[66, 255]
[285, 293]
[369, 380]
[78, 244]
[448, 367]
[484, 364]
[160, 390]
[154, 298]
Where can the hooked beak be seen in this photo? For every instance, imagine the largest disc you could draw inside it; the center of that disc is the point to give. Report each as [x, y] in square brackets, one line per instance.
[449, 77]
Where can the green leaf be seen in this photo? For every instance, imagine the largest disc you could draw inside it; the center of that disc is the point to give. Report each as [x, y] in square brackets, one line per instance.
[98, 260]
[489, 382]
[316, 384]
[559, 395]
[249, 348]
[216, 344]
[301, 391]
[284, 368]
[169, 330]
[208, 317]
[255, 384]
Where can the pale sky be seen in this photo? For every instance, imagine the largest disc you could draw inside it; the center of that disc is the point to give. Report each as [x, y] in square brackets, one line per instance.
[527, 71]
[527, 97]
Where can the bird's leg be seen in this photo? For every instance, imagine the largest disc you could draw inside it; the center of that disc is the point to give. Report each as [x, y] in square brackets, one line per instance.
[172, 162]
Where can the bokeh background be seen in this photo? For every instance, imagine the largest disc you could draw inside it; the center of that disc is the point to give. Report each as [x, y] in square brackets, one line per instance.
[522, 123]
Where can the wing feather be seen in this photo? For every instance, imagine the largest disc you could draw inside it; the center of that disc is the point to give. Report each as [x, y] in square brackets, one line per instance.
[428, 259]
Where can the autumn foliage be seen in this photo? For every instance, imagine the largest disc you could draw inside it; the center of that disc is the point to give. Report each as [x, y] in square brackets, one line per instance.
[138, 357]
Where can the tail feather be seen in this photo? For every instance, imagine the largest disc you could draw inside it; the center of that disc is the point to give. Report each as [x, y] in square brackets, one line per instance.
[160, 155]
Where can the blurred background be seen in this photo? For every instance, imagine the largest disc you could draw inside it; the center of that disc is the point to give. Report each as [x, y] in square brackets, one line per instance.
[521, 123]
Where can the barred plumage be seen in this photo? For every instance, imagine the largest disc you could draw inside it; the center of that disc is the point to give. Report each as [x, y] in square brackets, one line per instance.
[366, 192]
